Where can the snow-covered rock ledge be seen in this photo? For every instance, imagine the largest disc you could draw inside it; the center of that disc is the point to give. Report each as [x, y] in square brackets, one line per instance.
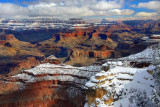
[61, 72]
[121, 85]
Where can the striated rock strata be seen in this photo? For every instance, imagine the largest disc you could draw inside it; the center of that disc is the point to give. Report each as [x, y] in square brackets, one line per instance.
[48, 85]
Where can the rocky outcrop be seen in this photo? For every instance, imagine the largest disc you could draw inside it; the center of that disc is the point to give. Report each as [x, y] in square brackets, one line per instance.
[102, 48]
[125, 83]
[87, 57]
[117, 83]
[49, 85]
[2, 42]
[30, 62]
[15, 66]
[90, 54]
[96, 42]
[41, 94]
[16, 55]
[7, 37]
[52, 60]
[69, 34]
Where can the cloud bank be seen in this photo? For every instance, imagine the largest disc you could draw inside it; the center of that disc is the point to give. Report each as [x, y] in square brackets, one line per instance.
[147, 14]
[80, 8]
[155, 5]
[66, 8]
[152, 5]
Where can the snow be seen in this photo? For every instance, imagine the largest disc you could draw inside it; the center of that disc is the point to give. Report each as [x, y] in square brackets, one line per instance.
[119, 63]
[124, 76]
[61, 72]
[113, 63]
[139, 84]
[155, 35]
[131, 86]
[119, 76]
[151, 67]
[145, 38]
[93, 79]
[23, 76]
[40, 23]
[146, 55]
[51, 57]
[90, 84]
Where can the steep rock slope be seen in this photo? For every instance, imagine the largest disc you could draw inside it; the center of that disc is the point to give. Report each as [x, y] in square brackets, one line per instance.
[16, 55]
[122, 84]
[75, 46]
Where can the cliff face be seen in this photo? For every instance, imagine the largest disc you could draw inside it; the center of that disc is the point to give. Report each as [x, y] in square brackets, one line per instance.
[17, 55]
[91, 54]
[76, 47]
[41, 94]
[109, 83]
[13, 66]
[47, 85]
[120, 38]
[3, 42]
[25, 64]
[79, 46]
[86, 57]
[7, 37]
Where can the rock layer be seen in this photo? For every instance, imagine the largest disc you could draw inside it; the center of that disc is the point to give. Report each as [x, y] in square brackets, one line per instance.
[49, 85]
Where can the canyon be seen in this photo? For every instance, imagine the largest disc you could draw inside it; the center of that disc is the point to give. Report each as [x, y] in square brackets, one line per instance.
[106, 83]
[72, 68]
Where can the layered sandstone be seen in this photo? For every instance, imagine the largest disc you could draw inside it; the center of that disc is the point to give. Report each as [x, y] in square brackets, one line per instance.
[48, 85]
[87, 57]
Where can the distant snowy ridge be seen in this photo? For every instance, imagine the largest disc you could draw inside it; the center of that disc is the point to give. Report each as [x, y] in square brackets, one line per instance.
[146, 55]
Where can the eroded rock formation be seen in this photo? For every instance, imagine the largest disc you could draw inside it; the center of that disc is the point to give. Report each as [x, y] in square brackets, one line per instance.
[16, 55]
[48, 85]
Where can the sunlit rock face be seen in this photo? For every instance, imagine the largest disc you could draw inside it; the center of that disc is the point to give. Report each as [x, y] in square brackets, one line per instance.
[86, 57]
[48, 85]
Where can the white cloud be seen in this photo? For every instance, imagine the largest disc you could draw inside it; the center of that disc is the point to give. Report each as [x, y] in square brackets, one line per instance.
[121, 12]
[147, 14]
[67, 8]
[12, 9]
[104, 5]
[42, 5]
[155, 5]
[61, 11]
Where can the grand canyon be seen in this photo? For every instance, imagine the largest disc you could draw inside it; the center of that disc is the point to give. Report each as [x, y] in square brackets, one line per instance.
[70, 54]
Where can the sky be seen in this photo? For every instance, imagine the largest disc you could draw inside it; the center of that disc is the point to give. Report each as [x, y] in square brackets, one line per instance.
[87, 9]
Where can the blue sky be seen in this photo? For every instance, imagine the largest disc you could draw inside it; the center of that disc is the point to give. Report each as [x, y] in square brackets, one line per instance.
[81, 8]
